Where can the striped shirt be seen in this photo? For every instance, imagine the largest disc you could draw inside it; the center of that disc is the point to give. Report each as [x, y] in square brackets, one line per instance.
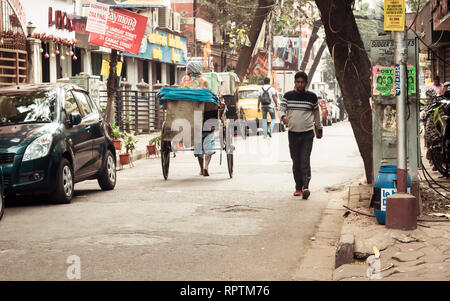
[302, 109]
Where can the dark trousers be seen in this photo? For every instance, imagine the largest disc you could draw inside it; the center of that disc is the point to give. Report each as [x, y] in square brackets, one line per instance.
[300, 146]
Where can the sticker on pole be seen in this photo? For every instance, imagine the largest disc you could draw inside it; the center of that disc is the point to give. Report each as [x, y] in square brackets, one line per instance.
[383, 80]
[394, 15]
[97, 18]
[124, 31]
[398, 89]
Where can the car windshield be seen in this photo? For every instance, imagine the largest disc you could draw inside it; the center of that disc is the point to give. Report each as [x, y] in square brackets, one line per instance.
[27, 107]
[248, 94]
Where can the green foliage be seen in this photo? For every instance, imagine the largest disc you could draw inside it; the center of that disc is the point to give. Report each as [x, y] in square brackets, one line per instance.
[130, 143]
[155, 141]
[116, 133]
[102, 109]
[232, 18]
[256, 79]
[288, 12]
[415, 5]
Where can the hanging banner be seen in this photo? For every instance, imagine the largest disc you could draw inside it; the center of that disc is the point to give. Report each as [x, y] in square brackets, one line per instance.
[97, 18]
[105, 68]
[286, 53]
[124, 31]
[394, 15]
[131, 3]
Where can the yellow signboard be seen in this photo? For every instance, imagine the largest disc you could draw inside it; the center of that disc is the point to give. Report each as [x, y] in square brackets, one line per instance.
[394, 15]
[105, 68]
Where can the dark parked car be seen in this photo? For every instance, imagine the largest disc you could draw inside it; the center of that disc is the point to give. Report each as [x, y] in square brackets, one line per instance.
[51, 137]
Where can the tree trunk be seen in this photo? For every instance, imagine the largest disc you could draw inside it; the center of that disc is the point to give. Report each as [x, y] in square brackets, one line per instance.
[352, 71]
[312, 39]
[315, 63]
[245, 56]
[111, 85]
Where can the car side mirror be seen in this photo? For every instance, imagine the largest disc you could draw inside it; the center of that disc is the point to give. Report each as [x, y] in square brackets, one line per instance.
[74, 119]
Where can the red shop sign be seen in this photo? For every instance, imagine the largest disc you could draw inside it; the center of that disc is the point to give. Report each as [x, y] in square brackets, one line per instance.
[124, 31]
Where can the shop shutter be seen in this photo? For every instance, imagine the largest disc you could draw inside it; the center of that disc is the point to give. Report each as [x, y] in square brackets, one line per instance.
[447, 64]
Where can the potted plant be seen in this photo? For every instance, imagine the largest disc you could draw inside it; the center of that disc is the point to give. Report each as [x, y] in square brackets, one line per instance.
[154, 144]
[130, 145]
[116, 136]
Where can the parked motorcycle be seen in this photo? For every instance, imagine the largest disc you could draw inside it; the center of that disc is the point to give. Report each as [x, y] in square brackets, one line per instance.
[437, 131]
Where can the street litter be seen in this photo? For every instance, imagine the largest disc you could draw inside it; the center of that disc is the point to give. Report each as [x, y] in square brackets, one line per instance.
[404, 238]
[313, 238]
[440, 215]
[388, 267]
[376, 252]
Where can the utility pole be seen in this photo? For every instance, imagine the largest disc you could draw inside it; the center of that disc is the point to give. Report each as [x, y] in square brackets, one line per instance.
[401, 57]
[401, 208]
[269, 70]
[195, 28]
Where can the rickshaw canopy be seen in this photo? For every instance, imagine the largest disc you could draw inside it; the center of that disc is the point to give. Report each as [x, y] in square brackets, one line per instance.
[182, 94]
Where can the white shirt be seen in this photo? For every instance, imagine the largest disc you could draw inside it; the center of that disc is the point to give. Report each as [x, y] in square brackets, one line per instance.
[271, 92]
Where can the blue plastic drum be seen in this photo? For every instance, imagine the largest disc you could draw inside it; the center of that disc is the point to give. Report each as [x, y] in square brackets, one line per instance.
[385, 185]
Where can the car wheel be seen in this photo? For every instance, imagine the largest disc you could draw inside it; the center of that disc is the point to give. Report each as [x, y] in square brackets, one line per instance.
[107, 177]
[65, 183]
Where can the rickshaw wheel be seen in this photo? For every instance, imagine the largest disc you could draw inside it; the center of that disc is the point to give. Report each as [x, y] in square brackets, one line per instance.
[230, 165]
[165, 159]
[243, 124]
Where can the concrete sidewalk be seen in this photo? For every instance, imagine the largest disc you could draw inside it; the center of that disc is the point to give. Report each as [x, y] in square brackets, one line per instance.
[422, 254]
[141, 149]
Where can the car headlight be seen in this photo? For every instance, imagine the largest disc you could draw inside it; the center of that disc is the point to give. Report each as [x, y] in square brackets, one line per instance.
[39, 148]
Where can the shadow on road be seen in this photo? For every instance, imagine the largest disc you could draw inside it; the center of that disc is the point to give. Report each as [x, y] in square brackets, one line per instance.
[45, 200]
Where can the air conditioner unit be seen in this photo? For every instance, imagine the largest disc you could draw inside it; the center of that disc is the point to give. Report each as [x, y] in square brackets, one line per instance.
[155, 19]
[165, 18]
[176, 22]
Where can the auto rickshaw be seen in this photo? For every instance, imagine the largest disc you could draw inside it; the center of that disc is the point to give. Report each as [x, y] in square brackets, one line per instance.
[248, 107]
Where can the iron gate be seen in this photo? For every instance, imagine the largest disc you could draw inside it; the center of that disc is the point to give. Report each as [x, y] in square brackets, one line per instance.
[136, 111]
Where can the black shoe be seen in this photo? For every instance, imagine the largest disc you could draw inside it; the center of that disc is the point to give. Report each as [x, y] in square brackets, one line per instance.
[205, 173]
[305, 194]
[270, 134]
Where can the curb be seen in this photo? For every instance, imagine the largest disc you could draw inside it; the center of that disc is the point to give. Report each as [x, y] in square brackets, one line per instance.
[318, 262]
[135, 157]
[345, 248]
[357, 196]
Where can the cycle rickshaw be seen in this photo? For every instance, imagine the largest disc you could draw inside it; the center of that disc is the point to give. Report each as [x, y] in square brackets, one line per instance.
[183, 108]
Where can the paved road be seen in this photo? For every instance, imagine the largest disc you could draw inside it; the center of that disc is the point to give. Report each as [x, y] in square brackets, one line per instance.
[187, 228]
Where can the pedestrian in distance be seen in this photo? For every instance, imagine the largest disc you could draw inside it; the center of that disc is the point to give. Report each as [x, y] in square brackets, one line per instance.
[438, 88]
[267, 102]
[300, 111]
[341, 107]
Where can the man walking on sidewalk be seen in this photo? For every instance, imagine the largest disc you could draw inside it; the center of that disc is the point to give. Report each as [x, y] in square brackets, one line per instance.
[268, 100]
[300, 111]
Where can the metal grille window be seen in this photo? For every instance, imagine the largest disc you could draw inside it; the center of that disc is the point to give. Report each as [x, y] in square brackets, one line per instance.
[13, 46]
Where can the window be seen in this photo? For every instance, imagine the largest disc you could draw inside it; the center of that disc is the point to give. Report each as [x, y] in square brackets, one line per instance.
[85, 106]
[70, 105]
